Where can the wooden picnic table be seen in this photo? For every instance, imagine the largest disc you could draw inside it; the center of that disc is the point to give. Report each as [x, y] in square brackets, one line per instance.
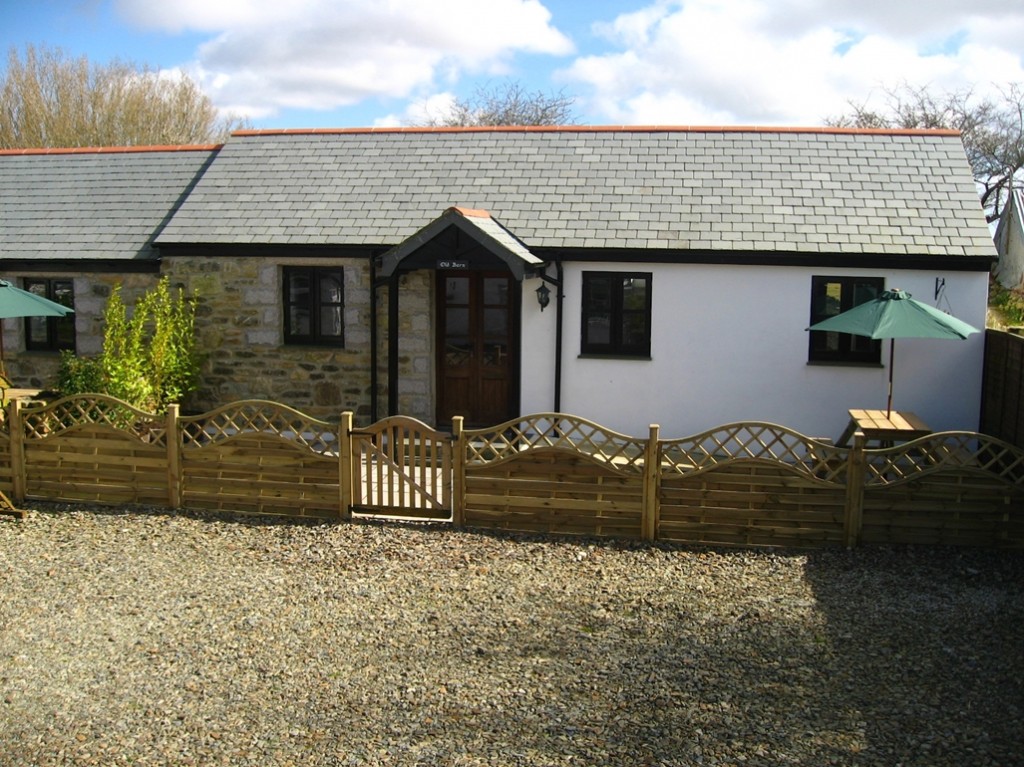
[878, 426]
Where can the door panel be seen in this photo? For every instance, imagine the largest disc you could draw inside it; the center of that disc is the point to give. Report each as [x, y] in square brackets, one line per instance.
[477, 336]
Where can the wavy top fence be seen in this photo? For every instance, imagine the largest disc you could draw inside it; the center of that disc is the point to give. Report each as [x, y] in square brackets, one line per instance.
[546, 471]
[817, 460]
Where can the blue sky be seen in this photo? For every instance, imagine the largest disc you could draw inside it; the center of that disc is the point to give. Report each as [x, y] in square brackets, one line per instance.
[348, 63]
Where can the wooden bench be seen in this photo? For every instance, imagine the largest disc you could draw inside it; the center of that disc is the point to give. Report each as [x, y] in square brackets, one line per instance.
[883, 427]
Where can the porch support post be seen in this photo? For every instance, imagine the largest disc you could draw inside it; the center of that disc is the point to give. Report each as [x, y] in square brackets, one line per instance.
[393, 333]
[374, 352]
[559, 307]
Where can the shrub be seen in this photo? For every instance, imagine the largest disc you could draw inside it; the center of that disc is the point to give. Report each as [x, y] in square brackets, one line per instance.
[149, 358]
[79, 375]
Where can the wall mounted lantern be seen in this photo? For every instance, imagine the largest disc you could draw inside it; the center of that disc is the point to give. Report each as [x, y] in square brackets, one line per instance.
[543, 296]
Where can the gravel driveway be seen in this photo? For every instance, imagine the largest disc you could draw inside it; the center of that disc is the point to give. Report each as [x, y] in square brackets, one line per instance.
[178, 639]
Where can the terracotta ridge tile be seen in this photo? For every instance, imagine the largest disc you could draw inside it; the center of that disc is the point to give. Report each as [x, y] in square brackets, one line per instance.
[599, 129]
[114, 149]
[471, 212]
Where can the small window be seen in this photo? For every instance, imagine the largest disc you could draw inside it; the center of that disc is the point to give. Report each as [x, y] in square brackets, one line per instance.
[834, 295]
[51, 334]
[314, 305]
[616, 314]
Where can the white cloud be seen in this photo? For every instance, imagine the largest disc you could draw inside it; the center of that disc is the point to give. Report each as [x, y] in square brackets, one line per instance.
[266, 55]
[790, 62]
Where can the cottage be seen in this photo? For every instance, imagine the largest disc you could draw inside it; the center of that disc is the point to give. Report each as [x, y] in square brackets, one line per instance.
[627, 275]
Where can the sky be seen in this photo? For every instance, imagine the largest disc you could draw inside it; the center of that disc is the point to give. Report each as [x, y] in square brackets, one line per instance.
[365, 63]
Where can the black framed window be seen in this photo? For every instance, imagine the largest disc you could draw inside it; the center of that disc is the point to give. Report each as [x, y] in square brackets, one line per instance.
[617, 314]
[51, 333]
[831, 296]
[314, 305]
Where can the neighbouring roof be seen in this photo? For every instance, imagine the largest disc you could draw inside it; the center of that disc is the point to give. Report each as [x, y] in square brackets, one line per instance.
[696, 189]
[95, 204]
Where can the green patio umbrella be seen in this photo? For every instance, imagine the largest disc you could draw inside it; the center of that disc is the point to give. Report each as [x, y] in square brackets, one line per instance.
[894, 314]
[15, 302]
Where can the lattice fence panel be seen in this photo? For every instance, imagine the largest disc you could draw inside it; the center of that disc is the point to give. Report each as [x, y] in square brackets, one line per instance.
[262, 458]
[944, 451]
[814, 459]
[954, 488]
[576, 436]
[79, 411]
[260, 417]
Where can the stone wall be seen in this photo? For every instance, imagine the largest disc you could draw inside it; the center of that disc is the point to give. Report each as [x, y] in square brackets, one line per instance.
[38, 370]
[240, 329]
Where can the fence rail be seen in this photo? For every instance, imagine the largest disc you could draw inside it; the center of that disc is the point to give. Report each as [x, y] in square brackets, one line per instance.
[746, 484]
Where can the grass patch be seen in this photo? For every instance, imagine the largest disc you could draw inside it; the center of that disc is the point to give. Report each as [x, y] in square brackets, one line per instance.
[1007, 304]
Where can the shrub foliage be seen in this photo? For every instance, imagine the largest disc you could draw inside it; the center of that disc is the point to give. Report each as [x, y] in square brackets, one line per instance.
[149, 358]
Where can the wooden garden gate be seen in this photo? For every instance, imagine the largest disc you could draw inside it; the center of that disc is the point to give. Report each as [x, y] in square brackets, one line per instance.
[399, 467]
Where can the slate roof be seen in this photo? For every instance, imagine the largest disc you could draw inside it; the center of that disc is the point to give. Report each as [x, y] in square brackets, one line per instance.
[696, 189]
[91, 203]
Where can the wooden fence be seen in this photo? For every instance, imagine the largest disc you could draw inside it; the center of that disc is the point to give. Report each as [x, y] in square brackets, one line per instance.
[1002, 400]
[747, 484]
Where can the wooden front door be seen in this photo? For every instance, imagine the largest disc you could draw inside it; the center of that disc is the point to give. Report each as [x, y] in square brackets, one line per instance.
[478, 331]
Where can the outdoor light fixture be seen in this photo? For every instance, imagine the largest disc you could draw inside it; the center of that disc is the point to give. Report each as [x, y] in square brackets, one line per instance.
[543, 296]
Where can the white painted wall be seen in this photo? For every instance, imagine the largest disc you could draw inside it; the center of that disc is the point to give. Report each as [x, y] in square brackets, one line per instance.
[729, 344]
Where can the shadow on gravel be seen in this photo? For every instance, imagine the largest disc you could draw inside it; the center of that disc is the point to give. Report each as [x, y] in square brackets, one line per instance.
[581, 652]
[927, 653]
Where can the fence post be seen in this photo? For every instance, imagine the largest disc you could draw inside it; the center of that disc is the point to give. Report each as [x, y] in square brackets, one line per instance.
[173, 456]
[346, 469]
[458, 472]
[16, 431]
[651, 503]
[853, 517]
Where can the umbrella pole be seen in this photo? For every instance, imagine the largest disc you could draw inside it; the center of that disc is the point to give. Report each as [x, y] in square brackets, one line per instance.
[888, 410]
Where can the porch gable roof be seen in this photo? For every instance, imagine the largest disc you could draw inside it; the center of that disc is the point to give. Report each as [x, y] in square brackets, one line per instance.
[480, 226]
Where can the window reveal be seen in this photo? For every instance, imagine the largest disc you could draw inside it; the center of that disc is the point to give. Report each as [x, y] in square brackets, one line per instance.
[834, 295]
[51, 333]
[616, 314]
[314, 305]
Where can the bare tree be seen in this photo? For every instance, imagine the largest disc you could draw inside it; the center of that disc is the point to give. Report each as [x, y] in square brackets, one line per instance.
[507, 104]
[50, 100]
[992, 130]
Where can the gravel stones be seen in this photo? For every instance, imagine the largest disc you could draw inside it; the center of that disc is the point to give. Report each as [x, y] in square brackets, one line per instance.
[149, 638]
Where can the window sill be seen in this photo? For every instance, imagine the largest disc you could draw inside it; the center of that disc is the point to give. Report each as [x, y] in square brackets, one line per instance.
[312, 345]
[634, 357]
[842, 364]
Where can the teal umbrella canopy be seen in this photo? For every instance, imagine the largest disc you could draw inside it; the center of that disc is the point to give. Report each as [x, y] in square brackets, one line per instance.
[15, 302]
[894, 314]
